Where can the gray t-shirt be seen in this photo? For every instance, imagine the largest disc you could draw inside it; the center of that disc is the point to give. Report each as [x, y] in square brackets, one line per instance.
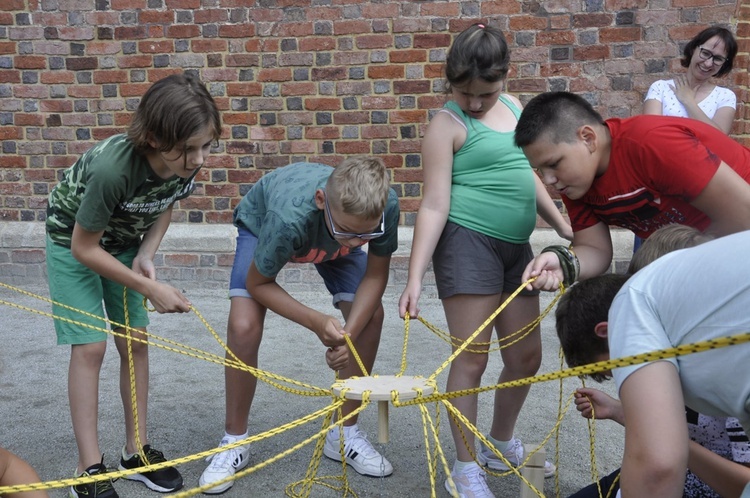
[280, 210]
[690, 296]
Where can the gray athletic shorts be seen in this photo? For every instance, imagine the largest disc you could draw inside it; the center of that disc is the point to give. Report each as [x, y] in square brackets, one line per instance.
[468, 262]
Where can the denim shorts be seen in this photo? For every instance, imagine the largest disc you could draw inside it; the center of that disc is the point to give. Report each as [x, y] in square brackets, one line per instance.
[83, 290]
[341, 275]
[469, 262]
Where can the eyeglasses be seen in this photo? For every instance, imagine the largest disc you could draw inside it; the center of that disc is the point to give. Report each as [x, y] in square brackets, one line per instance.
[718, 60]
[349, 235]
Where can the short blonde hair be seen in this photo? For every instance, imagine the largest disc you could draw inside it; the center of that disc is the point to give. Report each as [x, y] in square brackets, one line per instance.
[664, 240]
[359, 186]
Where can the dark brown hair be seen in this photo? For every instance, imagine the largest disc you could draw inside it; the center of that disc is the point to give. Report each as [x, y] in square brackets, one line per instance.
[478, 52]
[724, 34]
[172, 110]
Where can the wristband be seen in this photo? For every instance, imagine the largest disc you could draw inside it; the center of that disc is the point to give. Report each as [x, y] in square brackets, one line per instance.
[569, 263]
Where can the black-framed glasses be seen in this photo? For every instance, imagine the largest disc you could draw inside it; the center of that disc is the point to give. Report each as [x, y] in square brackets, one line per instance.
[717, 60]
[349, 235]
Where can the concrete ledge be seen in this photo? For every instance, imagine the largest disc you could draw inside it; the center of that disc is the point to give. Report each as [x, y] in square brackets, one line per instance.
[202, 255]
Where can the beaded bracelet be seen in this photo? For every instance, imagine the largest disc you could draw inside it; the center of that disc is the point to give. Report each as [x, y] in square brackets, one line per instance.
[569, 263]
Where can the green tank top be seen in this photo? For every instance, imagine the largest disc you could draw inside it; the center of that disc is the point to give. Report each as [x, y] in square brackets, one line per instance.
[492, 190]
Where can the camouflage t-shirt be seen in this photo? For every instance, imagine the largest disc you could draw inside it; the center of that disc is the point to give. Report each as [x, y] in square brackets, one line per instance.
[111, 188]
[280, 210]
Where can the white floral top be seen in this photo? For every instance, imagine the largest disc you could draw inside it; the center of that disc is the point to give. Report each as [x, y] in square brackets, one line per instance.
[662, 91]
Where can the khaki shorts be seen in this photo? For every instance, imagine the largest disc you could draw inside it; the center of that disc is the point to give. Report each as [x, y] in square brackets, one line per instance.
[82, 290]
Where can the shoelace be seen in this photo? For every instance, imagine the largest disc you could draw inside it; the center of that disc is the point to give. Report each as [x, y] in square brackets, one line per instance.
[478, 477]
[359, 443]
[100, 487]
[154, 456]
[223, 459]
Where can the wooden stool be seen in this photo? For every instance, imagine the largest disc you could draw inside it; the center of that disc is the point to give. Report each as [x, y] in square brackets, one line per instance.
[380, 388]
[533, 471]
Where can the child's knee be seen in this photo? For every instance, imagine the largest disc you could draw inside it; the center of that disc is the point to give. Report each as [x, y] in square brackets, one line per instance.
[244, 336]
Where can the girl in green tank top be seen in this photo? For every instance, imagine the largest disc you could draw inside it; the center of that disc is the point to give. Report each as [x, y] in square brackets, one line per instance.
[480, 192]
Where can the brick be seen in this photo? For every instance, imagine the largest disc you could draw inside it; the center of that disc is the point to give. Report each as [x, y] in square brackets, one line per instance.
[506, 8]
[322, 132]
[31, 91]
[619, 35]
[411, 87]
[156, 47]
[526, 23]
[81, 63]
[150, 16]
[556, 38]
[279, 74]
[30, 62]
[110, 76]
[8, 161]
[85, 91]
[407, 56]
[592, 20]
[353, 147]
[322, 104]
[386, 72]
[317, 44]
[405, 146]
[351, 27]
[134, 61]
[379, 131]
[358, 117]
[368, 42]
[591, 52]
[56, 106]
[202, 46]
[380, 11]
[183, 31]
[417, 116]
[7, 48]
[328, 74]
[289, 89]
[237, 31]
[22, 119]
[445, 10]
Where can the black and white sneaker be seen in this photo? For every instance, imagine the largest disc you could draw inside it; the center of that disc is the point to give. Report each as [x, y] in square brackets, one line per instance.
[163, 480]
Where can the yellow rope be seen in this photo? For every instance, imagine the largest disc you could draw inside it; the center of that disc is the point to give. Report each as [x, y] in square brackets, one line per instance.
[430, 428]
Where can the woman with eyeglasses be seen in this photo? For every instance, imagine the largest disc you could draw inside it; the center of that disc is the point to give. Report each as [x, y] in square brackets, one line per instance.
[708, 55]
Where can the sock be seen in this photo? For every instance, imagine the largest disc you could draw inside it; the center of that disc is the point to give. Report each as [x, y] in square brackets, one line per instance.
[347, 431]
[126, 455]
[235, 437]
[501, 446]
[460, 467]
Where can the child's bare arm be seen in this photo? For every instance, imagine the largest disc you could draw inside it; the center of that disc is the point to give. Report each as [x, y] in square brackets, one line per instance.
[547, 209]
[270, 294]
[724, 476]
[726, 200]
[369, 294]
[437, 165]
[592, 246]
[593, 403]
[143, 263]
[86, 249]
[656, 437]
[15, 471]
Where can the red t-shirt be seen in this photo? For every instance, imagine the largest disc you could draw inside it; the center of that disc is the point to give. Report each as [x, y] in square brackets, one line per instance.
[657, 165]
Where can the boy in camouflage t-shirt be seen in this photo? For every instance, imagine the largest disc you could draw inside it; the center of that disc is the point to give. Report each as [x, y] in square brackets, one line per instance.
[105, 221]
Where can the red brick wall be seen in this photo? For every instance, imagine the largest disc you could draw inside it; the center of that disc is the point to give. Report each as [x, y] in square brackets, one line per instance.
[309, 80]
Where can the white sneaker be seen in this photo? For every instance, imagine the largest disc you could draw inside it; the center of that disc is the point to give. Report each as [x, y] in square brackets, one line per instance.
[224, 465]
[471, 483]
[515, 455]
[359, 452]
